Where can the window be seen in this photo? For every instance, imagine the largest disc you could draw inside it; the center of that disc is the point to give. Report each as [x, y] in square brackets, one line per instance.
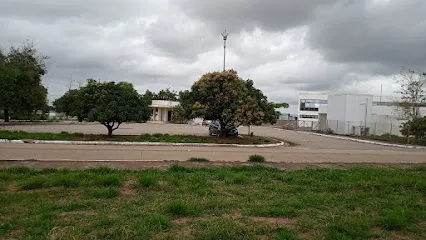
[309, 116]
[312, 104]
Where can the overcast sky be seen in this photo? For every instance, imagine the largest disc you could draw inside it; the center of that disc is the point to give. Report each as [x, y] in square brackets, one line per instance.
[285, 46]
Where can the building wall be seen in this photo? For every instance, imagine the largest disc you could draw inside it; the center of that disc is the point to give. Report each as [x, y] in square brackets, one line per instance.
[160, 109]
[303, 113]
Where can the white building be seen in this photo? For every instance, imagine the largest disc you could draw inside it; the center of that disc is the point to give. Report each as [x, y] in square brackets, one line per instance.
[350, 113]
[309, 106]
[162, 110]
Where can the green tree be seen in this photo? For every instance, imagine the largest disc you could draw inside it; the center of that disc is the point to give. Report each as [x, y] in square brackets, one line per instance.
[413, 93]
[109, 103]
[166, 94]
[415, 127]
[225, 97]
[20, 79]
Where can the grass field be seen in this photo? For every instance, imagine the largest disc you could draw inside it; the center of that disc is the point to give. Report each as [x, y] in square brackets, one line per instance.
[220, 203]
[244, 139]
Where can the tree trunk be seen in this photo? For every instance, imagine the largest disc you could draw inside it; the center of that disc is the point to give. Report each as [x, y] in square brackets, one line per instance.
[109, 131]
[223, 130]
[6, 115]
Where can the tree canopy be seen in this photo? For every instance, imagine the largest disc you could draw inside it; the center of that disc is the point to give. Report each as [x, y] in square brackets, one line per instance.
[21, 89]
[225, 97]
[109, 103]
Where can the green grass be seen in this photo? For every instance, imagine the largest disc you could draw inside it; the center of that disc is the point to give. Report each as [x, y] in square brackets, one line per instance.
[245, 202]
[256, 158]
[13, 135]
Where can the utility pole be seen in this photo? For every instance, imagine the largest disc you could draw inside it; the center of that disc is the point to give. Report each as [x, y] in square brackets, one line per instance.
[225, 37]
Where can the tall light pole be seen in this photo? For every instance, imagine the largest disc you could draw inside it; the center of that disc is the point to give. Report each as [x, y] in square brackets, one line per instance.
[225, 37]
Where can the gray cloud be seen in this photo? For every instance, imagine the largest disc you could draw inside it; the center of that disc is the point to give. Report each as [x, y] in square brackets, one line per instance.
[284, 46]
[386, 32]
[235, 15]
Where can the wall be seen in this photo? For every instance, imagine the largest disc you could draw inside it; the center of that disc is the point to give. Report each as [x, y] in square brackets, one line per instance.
[344, 111]
[312, 96]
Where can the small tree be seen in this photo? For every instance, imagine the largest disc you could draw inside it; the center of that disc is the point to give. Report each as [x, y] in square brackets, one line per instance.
[415, 127]
[413, 93]
[225, 97]
[109, 103]
[21, 89]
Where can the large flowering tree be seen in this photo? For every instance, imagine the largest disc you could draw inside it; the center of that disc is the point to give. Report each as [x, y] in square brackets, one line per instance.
[225, 97]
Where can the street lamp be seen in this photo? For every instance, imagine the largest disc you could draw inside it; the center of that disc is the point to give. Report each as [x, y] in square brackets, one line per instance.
[225, 37]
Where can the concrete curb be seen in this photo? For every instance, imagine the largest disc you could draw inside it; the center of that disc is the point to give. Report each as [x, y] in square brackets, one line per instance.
[370, 142]
[141, 143]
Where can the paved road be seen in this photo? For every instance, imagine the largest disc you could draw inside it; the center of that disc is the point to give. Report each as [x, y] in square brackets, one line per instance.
[311, 148]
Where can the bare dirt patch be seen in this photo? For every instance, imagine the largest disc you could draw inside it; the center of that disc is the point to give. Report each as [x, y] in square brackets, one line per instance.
[127, 188]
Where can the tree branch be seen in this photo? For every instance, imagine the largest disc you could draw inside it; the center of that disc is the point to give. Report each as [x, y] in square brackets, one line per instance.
[119, 123]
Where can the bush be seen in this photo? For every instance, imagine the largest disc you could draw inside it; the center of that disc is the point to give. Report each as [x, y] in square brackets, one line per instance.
[198, 160]
[106, 181]
[180, 208]
[147, 181]
[256, 158]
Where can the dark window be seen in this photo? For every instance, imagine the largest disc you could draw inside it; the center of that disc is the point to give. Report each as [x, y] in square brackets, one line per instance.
[309, 116]
[312, 104]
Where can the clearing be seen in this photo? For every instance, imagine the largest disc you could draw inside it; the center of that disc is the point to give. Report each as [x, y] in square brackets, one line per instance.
[244, 202]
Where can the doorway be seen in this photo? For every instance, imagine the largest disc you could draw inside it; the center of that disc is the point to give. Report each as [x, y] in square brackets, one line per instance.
[169, 116]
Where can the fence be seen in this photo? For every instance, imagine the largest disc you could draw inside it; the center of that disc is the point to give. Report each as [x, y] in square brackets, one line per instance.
[344, 127]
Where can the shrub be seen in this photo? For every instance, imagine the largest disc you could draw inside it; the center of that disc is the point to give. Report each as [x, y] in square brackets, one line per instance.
[180, 208]
[256, 158]
[147, 181]
[198, 160]
[106, 181]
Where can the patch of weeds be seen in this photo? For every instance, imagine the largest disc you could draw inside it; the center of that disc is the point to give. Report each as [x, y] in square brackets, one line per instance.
[19, 170]
[198, 160]
[350, 228]
[78, 205]
[256, 158]
[34, 183]
[177, 168]
[272, 211]
[68, 181]
[239, 179]
[182, 209]
[223, 229]
[5, 227]
[107, 181]
[107, 192]
[156, 222]
[147, 181]
[396, 219]
[285, 234]
[102, 170]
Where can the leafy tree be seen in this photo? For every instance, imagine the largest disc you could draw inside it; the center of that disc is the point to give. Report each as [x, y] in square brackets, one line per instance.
[178, 115]
[415, 127]
[225, 97]
[281, 105]
[20, 80]
[166, 94]
[109, 103]
[413, 93]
